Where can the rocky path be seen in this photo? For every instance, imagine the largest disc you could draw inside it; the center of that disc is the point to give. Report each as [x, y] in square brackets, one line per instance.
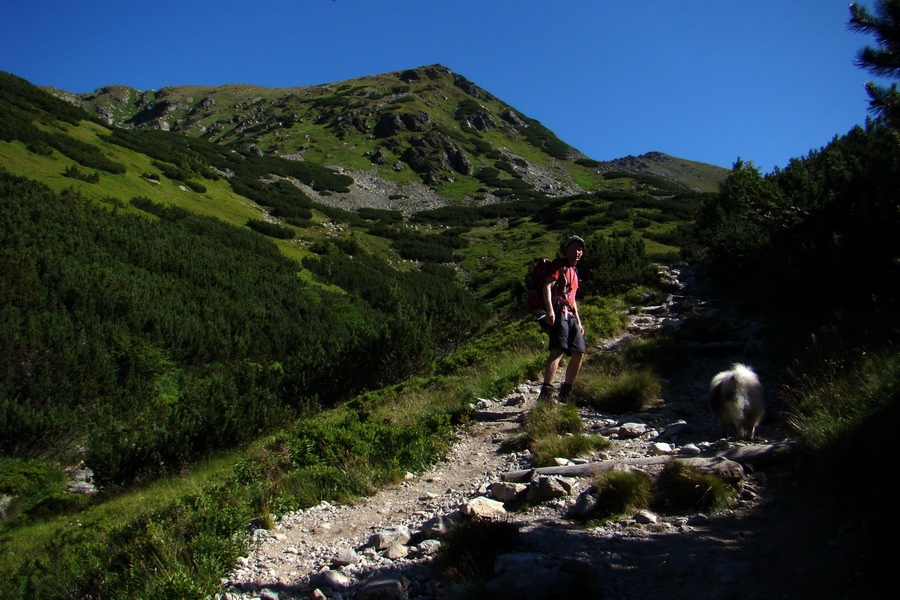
[384, 546]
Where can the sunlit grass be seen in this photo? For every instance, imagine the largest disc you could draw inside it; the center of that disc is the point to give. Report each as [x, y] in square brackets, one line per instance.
[21, 541]
[622, 492]
[619, 393]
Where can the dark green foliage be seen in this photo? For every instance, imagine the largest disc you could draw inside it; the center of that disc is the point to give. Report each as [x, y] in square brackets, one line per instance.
[882, 60]
[36, 488]
[197, 156]
[271, 229]
[484, 148]
[285, 199]
[468, 215]
[543, 139]
[466, 108]
[76, 173]
[587, 162]
[424, 251]
[22, 103]
[412, 245]
[388, 217]
[17, 92]
[432, 308]
[152, 342]
[176, 552]
[611, 266]
[824, 230]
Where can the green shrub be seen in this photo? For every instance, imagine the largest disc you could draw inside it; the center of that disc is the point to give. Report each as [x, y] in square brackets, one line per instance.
[622, 492]
[545, 449]
[631, 391]
[271, 229]
[688, 487]
[846, 410]
[76, 173]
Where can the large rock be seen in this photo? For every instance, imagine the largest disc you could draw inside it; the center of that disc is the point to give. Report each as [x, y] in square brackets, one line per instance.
[390, 124]
[435, 152]
[484, 508]
[547, 488]
[505, 491]
[386, 537]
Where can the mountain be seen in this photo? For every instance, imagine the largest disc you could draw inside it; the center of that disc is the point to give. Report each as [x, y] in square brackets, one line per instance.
[702, 177]
[411, 140]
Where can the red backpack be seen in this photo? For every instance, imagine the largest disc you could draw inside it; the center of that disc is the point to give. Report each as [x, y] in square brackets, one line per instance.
[534, 282]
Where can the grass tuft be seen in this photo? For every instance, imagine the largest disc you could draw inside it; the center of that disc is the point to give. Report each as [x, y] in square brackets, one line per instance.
[689, 487]
[629, 391]
[622, 492]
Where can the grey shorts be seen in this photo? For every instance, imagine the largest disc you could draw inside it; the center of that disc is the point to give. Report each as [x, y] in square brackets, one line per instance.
[566, 334]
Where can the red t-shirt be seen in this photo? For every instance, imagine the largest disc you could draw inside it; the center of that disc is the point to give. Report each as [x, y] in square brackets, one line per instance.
[566, 292]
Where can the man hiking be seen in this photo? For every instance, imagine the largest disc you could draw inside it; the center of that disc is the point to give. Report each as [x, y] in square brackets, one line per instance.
[562, 322]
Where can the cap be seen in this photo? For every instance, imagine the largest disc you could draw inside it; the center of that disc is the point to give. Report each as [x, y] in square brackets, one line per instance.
[574, 238]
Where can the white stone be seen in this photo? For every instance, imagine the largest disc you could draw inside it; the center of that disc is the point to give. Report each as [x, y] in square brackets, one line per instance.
[484, 508]
[661, 448]
[646, 517]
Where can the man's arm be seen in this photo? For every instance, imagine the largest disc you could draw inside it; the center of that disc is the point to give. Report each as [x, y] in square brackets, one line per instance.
[547, 293]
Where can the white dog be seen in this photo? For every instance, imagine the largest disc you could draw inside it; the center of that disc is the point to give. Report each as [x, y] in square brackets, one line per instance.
[736, 398]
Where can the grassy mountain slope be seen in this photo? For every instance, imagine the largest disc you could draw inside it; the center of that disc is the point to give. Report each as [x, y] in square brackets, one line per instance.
[167, 297]
[425, 125]
[699, 176]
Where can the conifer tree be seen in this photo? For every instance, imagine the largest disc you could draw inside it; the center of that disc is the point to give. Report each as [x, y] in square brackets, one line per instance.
[883, 60]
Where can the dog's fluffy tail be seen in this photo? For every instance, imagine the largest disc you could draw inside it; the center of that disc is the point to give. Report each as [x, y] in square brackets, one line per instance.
[736, 398]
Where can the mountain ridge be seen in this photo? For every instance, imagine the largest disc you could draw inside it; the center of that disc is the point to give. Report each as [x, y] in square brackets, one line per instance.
[426, 126]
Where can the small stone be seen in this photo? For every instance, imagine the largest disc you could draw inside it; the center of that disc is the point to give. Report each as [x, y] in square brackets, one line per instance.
[698, 519]
[631, 430]
[387, 588]
[344, 557]
[396, 550]
[690, 450]
[660, 449]
[429, 547]
[646, 517]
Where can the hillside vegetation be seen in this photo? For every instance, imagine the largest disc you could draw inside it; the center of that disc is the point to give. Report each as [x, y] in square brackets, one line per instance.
[425, 125]
[199, 320]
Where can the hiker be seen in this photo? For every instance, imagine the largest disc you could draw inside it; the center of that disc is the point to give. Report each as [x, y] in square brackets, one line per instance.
[562, 322]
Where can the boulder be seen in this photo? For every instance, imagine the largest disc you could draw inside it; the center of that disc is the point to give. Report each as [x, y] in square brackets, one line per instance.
[505, 491]
[484, 508]
[547, 488]
[383, 539]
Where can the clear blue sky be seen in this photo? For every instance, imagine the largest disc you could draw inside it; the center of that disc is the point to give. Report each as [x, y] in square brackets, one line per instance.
[708, 80]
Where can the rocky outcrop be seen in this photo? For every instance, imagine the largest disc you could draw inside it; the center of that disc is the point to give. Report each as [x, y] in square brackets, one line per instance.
[434, 153]
[390, 124]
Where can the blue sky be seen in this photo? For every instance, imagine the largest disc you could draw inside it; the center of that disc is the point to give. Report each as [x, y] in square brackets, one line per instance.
[708, 80]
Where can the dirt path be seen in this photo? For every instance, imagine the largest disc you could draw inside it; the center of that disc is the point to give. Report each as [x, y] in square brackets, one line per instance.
[763, 547]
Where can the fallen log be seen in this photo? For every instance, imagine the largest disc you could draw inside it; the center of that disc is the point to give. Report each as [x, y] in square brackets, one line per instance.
[758, 455]
[728, 470]
[728, 464]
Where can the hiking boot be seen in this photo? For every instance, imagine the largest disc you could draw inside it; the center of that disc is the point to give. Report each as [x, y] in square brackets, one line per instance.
[565, 390]
[546, 392]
